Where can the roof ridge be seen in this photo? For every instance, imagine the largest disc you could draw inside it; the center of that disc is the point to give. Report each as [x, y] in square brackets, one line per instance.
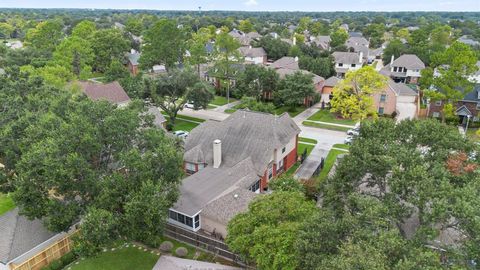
[10, 249]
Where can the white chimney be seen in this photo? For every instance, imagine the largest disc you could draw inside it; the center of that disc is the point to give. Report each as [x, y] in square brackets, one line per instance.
[296, 58]
[275, 35]
[393, 58]
[132, 51]
[217, 153]
[360, 57]
[294, 40]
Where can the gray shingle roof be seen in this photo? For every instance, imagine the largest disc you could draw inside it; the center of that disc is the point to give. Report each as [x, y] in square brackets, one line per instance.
[282, 72]
[401, 89]
[209, 183]
[173, 263]
[18, 235]
[252, 52]
[286, 62]
[254, 35]
[410, 61]
[159, 118]
[243, 134]
[229, 205]
[133, 58]
[351, 41]
[473, 95]
[332, 81]
[346, 57]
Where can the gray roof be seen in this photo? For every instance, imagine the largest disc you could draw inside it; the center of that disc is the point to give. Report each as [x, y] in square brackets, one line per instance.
[173, 263]
[286, 62]
[326, 39]
[159, 118]
[282, 72]
[243, 134]
[112, 92]
[229, 205]
[351, 41]
[332, 81]
[473, 95]
[468, 41]
[210, 183]
[133, 58]
[355, 34]
[252, 52]
[401, 89]
[254, 35]
[18, 235]
[409, 61]
[347, 57]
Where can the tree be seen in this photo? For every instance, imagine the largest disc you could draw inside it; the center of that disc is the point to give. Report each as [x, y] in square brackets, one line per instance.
[275, 48]
[75, 54]
[164, 44]
[108, 45]
[455, 65]
[403, 33]
[396, 172]
[321, 66]
[173, 90]
[266, 233]
[84, 30]
[246, 26]
[257, 81]
[375, 33]
[287, 183]
[338, 38]
[295, 88]
[45, 36]
[116, 71]
[134, 26]
[197, 48]
[6, 30]
[54, 75]
[396, 48]
[353, 96]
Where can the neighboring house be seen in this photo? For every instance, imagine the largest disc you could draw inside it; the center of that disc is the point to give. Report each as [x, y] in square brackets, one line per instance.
[27, 245]
[286, 62]
[323, 42]
[112, 92]
[347, 61]
[476, 77]
[327, 89]
[14, 45]
[245, 39]
[173, 263]
[158, 120]
[132, 63]
[230, 163]
[355, 34]
[468, 106]
[397, 98]
[357, 41]
[256, 56]
[344, 27]
[468, 41]
[405, 69]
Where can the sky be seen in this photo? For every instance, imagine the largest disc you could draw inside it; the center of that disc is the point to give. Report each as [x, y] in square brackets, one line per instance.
[256, 5]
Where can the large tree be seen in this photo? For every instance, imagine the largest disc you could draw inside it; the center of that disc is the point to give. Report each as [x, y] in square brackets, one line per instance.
[293, 90]
[394, 48]
[108, 45]
[45, 36]
[164, 44]
[197, 48]
[266, 233]
[257, 81]
[75, 54]
[274, 47]
[353, 96]
[338, 38]
[322, 66]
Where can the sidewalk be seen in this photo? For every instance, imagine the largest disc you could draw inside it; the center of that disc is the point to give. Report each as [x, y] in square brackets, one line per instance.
[226, 106]
[311, 163]
[331, 124]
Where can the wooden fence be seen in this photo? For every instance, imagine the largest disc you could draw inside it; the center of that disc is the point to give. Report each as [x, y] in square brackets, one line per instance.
[47, 255]
[201, 241]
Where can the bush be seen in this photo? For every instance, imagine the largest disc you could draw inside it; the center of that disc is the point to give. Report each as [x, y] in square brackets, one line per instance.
[166, 246]
[61, 262]
[181, 252]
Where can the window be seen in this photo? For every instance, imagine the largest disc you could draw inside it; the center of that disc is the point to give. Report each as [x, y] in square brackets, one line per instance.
[189, 221]
[280, 165]
[478, 106]
[383, 98]
[395, 69]
[186, 220]
[380, 110]
[197, 221]
[255, 186]
[270, 171]
[354, 65]
[190, 168]
[340, 64]
[436, 114]
[283, 150]
[201, 166]
[438, 103]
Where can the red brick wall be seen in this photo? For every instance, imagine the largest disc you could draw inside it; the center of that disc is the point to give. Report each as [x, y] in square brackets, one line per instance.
[133, 69]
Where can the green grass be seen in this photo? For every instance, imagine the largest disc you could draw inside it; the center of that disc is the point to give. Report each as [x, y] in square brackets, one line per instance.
[220, 101]
[230, 111]
[184, 125]
[324, 126]
[293, 169]
[301, 147]
[471, 133]
[342, 146]
[292, 112]
[181, 116]
[6, 203]
[329, 161]
[327, 116]
[119, 259]
[211, 107]
[307, 140]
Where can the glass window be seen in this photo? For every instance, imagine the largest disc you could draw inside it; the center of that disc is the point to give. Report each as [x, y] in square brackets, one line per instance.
[478, 106]
[436, 114]
[383, 97]
[438, 103]
[283, 150]
[353, 65]
[340, 64]
[180, 218]
[380, 110]
[255, 186]
[190, 167]
[197, 221]
[173, 215]
[189, 221]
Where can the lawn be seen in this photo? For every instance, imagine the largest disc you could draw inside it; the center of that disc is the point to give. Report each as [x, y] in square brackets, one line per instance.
[292, 112]
[293, 169]
[230, 111]
[184, 125]
[125, 258]
[181, 116]
[471, 133]
[220, 101]
[324, 126]
[6, 203]
[327, 116]
[341, 146]
[307, 140]
[301, 147]
[329, 161]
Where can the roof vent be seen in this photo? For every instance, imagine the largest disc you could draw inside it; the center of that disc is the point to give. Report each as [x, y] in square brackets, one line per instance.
[235, 196]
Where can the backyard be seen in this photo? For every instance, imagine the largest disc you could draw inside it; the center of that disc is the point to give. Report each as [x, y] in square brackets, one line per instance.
[6, 203]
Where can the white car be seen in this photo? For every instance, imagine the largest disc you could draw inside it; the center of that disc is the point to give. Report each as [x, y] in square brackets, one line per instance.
[348, 140]
[353, 131]
[189, 105]
[181, 134]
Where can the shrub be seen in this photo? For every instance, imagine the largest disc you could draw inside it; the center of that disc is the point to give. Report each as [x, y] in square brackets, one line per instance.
[166, 246]
[181, 252]
[61, 262]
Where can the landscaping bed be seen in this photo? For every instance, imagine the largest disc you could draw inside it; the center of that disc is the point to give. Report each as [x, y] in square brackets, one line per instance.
[471, 133]
[329, 117]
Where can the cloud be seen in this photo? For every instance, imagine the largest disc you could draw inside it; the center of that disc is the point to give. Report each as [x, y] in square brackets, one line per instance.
[251, 3]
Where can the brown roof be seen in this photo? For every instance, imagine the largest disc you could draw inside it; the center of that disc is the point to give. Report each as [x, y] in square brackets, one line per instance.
[112, 92]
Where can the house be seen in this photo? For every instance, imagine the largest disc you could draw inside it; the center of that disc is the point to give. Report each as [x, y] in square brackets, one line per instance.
[323, 42]
[355, 34]
[112, 92]
[475, 78]
[397, 99]
[468, 41]
[327, 89]
[230, 163]
[357, 41]
[347, 61]
[405, 69]
[469, 106]
[132, 62]
[27, 245]
[286, 62]
[256, 56]
[158, 119]
[173, 263]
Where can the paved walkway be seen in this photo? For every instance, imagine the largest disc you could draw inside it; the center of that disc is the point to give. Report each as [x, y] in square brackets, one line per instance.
[226, 106]
[461, 129]
[306, 114]
[330, 124]
[310, 164]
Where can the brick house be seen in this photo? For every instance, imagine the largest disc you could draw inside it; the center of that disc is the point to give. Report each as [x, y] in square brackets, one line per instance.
[397, 98]
[404, 69]
[230, 163]
[469, 105]
[327, 89]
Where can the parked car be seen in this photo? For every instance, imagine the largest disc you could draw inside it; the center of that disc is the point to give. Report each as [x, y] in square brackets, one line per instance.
[348, 140]
[189, 105]
[353, 131]
[181, 134]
